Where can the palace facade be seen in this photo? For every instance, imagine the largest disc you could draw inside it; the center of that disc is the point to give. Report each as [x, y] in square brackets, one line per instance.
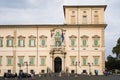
[76, 46]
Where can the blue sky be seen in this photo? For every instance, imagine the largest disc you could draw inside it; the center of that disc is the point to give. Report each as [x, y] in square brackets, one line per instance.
[51, 12]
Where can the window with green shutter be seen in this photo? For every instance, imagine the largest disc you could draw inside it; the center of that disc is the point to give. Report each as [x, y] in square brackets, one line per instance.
[21, 60]
[96, 39]
[84, 59]
[32, 61]
[9, 61]
[1, 42]
[42, 61]
[21, 42]
[43, 42]
[95, 42]
[9, 42]
[84, 42]
[32, 42]
[72, 42]
[96, 60]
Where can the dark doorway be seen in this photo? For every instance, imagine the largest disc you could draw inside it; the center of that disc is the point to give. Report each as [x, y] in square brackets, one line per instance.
[57, 64]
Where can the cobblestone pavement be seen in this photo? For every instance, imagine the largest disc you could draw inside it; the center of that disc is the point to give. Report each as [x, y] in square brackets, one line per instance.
[71, 77]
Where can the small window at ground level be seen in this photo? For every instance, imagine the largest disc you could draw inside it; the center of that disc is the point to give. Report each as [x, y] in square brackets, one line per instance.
[72, 71]
[42, 71]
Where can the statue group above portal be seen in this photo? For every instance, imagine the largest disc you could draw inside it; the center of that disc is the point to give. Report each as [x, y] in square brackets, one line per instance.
[58, 37]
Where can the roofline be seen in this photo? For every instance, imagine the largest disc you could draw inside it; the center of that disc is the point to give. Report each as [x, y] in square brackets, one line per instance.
[53, 25]
[73, 6]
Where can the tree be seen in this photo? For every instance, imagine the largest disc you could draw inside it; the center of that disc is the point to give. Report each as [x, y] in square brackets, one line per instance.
[112, 64]
[109, 58]
[116, 49]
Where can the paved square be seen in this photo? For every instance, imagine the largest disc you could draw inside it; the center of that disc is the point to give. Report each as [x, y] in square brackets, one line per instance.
[71, 77]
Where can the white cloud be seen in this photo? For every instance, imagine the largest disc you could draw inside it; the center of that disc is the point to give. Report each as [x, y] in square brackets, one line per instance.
[84, 2]
[50, 11]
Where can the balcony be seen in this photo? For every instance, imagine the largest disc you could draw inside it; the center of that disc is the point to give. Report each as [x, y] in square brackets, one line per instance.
[57, 49]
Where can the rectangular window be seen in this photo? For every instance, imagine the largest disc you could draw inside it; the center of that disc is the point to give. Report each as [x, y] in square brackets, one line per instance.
[95, 42]
[9, 42]
[96, 19]
[21, 60]
[84, 61]
[1, 42]
[72, 42]
[0, 60]
[21, 43]
[73, 20]
[96, 59]
[72, 60]
[84, 21]
[32, 42]
[84, 42]
[43, 42]
[9, 61]
[32, 61]
[42, 61]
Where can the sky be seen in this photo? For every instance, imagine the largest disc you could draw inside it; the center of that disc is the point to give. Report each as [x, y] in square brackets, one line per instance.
[51, 12]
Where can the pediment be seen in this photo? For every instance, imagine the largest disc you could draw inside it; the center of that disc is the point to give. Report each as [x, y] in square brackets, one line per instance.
[32, 36]
[43, 36]
[21, 36]
[72, 36]
[96, 36]
[9, 36]
[84, 36]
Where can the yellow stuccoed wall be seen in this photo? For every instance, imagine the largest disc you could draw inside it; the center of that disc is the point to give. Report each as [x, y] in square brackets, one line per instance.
[90, 29]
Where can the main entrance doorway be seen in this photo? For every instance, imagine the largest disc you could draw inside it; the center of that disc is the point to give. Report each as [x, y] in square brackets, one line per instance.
[57, 64]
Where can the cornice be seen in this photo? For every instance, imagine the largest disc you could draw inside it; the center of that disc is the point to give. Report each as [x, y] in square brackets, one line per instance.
[55, 26]
[85, 6]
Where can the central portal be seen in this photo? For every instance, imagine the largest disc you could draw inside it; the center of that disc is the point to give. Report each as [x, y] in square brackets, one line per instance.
[57, 64]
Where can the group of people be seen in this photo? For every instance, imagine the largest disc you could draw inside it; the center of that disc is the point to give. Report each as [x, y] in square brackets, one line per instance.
[21, 75]
[10, 75]
[107, 73]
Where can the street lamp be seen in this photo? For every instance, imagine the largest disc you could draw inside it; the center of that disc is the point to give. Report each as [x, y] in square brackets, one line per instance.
[77, 64]
[27, 64]
[90, 64]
